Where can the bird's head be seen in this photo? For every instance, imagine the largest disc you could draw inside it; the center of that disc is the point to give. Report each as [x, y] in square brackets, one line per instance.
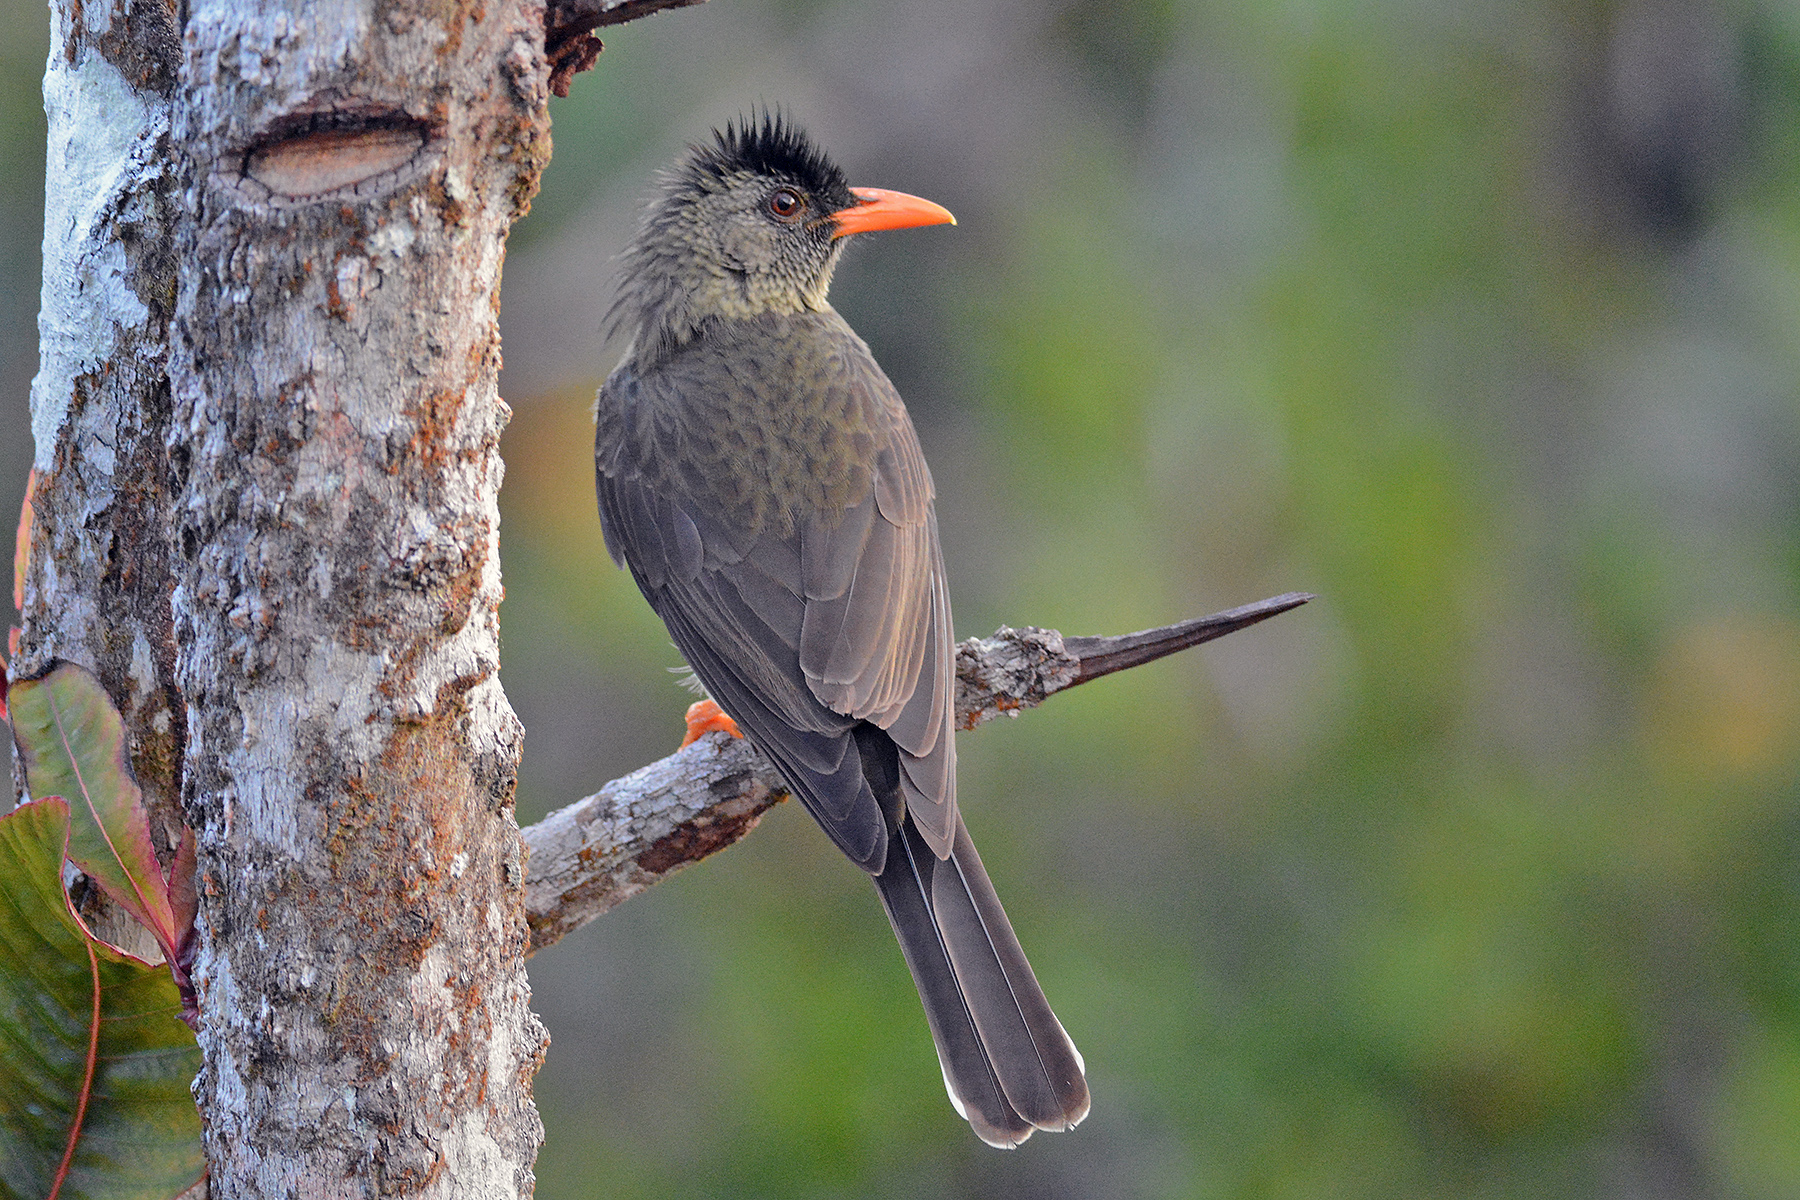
[751, 223]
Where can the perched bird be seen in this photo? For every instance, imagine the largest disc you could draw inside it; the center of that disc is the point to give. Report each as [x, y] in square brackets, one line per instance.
[761, 479]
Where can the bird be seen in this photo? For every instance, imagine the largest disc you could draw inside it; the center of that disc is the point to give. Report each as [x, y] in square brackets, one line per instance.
[760, 478]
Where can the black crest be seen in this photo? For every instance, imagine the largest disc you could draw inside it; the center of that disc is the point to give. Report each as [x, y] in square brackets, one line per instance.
[773, 146]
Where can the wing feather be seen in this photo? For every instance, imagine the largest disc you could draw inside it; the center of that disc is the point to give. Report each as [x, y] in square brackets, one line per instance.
[773, 602]
[832, 550]
[801, 627]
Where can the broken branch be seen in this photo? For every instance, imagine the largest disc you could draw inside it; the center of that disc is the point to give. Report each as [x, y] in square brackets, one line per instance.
[569, 41]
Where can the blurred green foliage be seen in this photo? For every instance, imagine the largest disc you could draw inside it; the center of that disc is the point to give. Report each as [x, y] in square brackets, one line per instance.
[1475, 878]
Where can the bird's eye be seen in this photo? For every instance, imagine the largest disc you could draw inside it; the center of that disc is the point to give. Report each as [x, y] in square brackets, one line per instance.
[786, 202]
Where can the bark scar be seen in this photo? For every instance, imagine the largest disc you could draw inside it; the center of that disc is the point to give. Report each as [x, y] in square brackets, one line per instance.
[686, 843]
[337, 148]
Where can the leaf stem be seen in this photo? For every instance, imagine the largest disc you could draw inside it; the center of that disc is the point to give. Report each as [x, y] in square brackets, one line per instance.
[87, 1075]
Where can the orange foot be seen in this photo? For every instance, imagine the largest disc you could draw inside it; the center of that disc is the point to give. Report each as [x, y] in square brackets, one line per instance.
[706, 717]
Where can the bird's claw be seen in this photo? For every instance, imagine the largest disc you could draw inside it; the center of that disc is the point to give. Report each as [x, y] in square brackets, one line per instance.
[704, 717]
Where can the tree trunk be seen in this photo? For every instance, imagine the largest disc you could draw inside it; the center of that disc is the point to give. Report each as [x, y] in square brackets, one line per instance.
[266, 515]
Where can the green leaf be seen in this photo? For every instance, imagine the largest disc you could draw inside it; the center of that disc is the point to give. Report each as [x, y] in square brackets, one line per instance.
[72, 741]
[116, 1089]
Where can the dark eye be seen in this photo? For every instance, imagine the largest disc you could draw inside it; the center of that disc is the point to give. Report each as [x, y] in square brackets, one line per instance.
[786, 202]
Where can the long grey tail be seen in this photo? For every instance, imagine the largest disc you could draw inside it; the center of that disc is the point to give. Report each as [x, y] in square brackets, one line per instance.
[1009, 1066]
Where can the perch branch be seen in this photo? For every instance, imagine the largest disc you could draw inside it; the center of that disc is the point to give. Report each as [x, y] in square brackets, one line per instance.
[608, 847]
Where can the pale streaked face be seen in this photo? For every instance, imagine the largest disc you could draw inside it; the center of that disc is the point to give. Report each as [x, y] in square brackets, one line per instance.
[756, 244]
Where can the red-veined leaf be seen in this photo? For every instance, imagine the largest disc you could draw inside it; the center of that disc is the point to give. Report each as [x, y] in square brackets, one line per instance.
[89, 1109]
[72, 742]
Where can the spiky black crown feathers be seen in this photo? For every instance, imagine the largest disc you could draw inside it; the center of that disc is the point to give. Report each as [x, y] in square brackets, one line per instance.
[670, 279]
[769, 144]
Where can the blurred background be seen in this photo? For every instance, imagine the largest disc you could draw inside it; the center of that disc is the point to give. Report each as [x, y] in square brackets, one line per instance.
[1479, 876]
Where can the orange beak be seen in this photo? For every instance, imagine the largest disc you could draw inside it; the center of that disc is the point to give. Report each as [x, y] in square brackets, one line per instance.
[882, 209]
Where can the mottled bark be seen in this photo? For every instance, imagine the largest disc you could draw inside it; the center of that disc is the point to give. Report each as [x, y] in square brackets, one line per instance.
[351, 757]
[604, 849]
[97, 580]
[267, 463]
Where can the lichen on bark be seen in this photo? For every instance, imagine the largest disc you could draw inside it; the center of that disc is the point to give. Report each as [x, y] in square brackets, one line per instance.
[352, 757]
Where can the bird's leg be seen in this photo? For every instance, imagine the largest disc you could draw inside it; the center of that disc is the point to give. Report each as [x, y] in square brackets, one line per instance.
[704, 717]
